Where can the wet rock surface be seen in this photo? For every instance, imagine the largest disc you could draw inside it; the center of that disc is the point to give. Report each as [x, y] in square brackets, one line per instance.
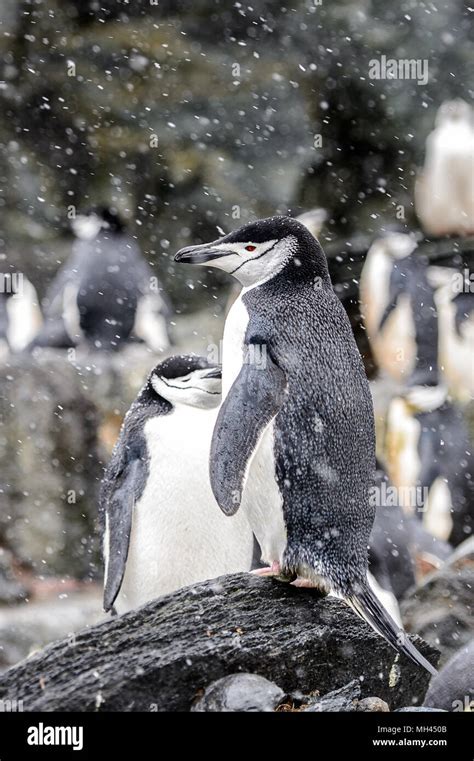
[162, 656]
[344, 699]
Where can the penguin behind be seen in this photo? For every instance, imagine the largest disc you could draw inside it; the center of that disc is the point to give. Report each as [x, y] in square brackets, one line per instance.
[20, 313]
[390, 560]
[454, 298]
[163, 529]
[399, 546]
[398, 308]
[444, 191]
[293, 374]
[105, 295]
[430, 460]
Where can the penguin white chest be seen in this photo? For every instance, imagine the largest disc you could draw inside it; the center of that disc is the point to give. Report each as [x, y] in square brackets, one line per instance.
[233, 343]
[179, 535]
[262, 501]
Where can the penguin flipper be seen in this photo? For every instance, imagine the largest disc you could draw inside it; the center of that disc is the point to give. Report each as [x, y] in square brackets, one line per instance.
[118, 526]
[251, 404]
[364, 601]
[396, 287]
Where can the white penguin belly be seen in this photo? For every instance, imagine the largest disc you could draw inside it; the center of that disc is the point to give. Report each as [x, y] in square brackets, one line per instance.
[403, 462]
[179, 535]
[262, 501]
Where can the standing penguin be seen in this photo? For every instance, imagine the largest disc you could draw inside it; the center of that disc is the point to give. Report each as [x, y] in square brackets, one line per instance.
[106, 294]
[444, 191]
[297, 407]
[397, 304]
[163, 528]
[20, 313]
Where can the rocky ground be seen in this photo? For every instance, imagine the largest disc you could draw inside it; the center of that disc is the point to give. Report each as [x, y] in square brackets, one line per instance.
[236, 643]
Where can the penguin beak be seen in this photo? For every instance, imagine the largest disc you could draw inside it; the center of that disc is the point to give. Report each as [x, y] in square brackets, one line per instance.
[214, 373]
[201, 254]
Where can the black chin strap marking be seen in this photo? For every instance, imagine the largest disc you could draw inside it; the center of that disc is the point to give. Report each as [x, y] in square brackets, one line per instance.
[247, 261]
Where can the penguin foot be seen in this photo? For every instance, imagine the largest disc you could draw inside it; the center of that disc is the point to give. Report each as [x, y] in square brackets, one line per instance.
[304, 583]
[301, 582]
[273, 570]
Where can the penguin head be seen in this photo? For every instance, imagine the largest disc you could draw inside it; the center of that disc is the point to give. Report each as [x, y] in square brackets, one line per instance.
[260, 250]
[394, 245]
[456, 110]
[424, 398]
[87, 226]
[188, 380]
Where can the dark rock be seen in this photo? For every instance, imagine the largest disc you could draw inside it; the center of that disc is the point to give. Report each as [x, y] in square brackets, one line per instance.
[240, 692]
[441, 609]
[453, 687]
[344, 699]
[161, 656]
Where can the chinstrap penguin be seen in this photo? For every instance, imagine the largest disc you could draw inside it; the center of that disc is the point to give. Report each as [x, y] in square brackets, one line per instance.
[163, 529]
[294, 440]
[106, 294]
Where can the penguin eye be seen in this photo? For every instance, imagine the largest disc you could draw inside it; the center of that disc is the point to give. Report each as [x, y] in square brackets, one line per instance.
[250, 248]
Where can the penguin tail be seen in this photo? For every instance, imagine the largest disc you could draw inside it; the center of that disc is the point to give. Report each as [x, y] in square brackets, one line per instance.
[364, 601]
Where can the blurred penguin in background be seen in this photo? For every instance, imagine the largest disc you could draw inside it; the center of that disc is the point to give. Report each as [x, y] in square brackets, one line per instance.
[454, 298]
[430, 460]
[106, 294]
[398, 309]
[20, 313]
[401, 550]
[390, 561]
[444, 192]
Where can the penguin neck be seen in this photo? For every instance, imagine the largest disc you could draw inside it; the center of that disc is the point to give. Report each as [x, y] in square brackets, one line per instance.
[299, 273]
[148, 397]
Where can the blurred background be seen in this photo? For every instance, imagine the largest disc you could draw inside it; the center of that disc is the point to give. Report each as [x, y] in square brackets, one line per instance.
[186, 120]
